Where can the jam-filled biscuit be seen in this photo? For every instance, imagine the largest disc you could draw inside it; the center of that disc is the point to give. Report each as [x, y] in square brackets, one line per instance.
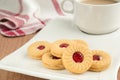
[37, 49]
[101, 60]
[77, 59]
[59, 46]
[81, 42]
[52, 62]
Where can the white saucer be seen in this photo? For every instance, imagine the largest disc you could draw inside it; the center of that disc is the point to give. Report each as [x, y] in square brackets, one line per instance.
[62, 28]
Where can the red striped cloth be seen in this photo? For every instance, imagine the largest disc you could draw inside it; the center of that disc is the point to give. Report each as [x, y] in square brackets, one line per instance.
[23, 17]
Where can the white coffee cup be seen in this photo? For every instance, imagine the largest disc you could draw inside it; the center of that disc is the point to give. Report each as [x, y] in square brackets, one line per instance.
[93, 18]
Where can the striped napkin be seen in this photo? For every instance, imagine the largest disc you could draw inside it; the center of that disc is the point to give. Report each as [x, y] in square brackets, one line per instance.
[23, 17]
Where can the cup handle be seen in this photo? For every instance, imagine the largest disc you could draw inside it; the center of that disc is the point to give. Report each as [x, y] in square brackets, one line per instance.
[65, 10]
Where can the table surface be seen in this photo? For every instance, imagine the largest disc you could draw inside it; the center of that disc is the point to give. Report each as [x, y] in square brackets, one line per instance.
[8, 45]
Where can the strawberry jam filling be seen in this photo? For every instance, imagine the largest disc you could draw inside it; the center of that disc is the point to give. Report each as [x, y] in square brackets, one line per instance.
[96, 57]
[64, 45]
[78, 57]
[41, 47]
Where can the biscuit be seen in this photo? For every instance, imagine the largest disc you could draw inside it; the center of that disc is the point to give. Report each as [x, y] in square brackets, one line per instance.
[77, 59]
[81, 42]
[58, 67]
[52, 62]
[59, 46]
[101, 60]
[37, 49]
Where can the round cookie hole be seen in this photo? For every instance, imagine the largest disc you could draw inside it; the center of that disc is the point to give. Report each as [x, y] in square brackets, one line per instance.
[97, 57]
[78, 57]
[63, 45]
[41, 47]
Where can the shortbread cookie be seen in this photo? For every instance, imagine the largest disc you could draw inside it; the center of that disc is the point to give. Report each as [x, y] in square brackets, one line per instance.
[59, 46]
[37, 49]
[58, 67]
[52, 62]
[77, 59]
[81, 42]
[101, 60]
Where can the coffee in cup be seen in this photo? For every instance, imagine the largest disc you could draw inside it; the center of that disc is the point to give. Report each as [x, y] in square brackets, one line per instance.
[95, 16]
[98, 2]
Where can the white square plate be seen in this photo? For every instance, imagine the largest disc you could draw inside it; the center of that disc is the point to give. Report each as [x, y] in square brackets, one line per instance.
[62, 28]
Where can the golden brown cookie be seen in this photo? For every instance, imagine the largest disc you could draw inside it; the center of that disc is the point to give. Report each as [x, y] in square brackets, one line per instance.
[81, 42]
[52, 62]
[59, 46]
[37, 49]
[77, 59]
[101, 60]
